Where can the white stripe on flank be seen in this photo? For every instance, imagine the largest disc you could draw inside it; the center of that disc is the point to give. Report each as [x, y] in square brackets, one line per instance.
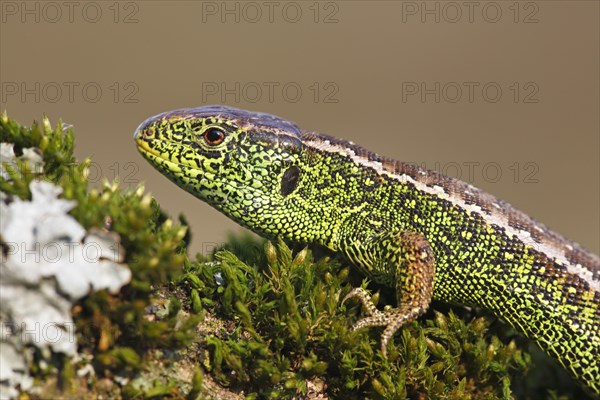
[494, 217]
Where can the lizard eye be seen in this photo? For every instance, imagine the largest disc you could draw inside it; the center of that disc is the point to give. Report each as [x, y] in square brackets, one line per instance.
[214, 136]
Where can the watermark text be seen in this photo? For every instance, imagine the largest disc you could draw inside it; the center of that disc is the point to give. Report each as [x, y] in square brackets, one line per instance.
[489, 171]
[69, 92]
[470, 92]
[51, 12]
[252, 12]
[270, 91]
[491, 12]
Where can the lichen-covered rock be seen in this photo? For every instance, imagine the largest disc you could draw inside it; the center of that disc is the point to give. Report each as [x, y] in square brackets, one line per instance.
[47, 264]
[44, 241]
[80, 268]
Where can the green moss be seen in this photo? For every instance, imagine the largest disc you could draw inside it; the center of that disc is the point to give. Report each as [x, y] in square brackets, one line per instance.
[290, 329]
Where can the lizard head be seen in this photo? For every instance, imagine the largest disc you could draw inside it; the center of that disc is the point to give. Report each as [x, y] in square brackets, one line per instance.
[245, 164]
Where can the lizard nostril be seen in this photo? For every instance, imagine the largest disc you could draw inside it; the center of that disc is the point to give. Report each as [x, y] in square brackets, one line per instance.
[139, 133]
[144, 129]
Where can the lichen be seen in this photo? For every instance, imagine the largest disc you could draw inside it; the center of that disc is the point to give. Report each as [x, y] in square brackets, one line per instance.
[8, 159]
[41, 241]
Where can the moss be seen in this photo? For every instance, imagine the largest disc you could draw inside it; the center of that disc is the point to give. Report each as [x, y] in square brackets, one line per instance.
[257, 320]
[290, 329]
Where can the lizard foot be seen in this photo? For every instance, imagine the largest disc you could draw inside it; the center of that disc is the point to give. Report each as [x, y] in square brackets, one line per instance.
[392, 318]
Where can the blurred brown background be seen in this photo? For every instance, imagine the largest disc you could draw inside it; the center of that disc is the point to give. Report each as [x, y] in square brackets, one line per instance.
[503, 94]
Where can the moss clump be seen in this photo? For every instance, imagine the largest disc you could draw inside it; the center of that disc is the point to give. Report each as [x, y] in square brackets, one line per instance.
[287, 336]
[289, 331]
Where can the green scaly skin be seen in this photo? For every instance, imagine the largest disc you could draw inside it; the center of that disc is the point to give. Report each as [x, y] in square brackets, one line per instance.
[427, 235]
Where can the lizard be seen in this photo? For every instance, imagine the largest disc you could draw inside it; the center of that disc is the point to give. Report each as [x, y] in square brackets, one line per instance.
[426, 235]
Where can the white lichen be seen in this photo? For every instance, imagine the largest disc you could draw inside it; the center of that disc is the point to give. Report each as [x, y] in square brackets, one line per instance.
[48, 262]
[30, 155]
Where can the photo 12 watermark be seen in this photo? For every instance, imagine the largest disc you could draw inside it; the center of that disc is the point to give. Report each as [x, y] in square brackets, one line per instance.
[53, 12]
[470, 92]
[452, 12]
[270, 92]
[64, 252]
[525, 172]
[252, 12]
[125, 172]
[40, 333]
[69, 92]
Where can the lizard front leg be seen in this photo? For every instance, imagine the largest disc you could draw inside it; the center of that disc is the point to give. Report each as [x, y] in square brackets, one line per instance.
[401, 259]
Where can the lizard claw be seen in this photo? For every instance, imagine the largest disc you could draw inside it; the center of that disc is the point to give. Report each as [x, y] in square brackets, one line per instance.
[365, 299]
[374, 316]
[392, 319]
[355, 292]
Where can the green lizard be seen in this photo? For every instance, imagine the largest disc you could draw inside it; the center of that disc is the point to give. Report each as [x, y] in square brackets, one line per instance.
[427, 235]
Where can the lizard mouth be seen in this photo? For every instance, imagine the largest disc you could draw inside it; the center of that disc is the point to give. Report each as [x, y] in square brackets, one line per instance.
[151, 153]
[143, 138]
[144, 147]
[161, 161]
[158, 152]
